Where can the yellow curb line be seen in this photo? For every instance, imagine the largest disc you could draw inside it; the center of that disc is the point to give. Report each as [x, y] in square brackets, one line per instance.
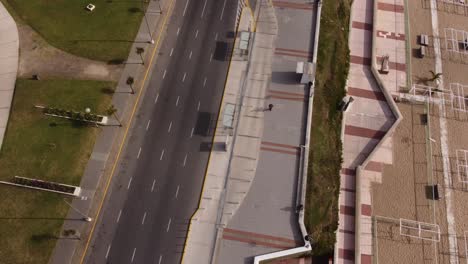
[212, 141]
[126, 131]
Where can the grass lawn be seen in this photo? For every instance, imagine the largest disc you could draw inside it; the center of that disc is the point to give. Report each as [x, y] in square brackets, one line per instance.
[30, 220]
[105, 34]
[326, 149]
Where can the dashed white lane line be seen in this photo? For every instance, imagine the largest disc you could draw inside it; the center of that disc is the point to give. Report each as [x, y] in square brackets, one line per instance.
[177, 101]
[168, 225]
[143, 220]
[185, 9]
[129, 182]
[170, 126]
[108, 249]
[216, 36]
[198, 107]
[177, 192]
[164, 74]
[185, 160]
[156, 98]
[204, 6]
[139, 152]
[172, 50]
[133, 255]
[118, 217]
[162, 155]
[196, 34]
[152, 186]
[147, 125]
[190, 56]
[178, 30]
[160, 259]
[204, 82]
[211, 57]
[191, 133]
[183, 78]
[222, 11]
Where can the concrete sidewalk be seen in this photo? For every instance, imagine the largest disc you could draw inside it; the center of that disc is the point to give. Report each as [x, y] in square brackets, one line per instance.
[9, 57]
[112, 139]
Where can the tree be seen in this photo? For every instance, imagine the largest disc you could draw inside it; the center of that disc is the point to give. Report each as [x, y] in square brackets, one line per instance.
[140, 51]
[113, 111]
[130, 82]
[435, 77]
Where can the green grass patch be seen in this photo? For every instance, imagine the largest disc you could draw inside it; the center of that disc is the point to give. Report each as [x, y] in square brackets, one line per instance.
[325, 158]
[105, 34]
[30, 221]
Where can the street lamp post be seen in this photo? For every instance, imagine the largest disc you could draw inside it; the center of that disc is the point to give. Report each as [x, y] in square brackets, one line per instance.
[147, 24]
[85, 217]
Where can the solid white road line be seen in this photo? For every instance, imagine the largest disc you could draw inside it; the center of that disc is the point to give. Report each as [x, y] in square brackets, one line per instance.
[133, 255]
[190, 56]
[183, 78]
[185, 160]
[216, 36]
[168, 225]
[129, 182]
[162, 155]
[172, 50]
[108, 249]
[177, 191]
[177, 101]
[160, 259]
[139, 152]
[169, 129]
[164, 75]
[178, 30]
[156, 98]
[198, 107]
[222, 11]
[143, 220]
[147, 125]
[152, 187]
[118, 217]
[191, 133]
[204, 82]
[185, 9]
[203, 11]
[196, 34]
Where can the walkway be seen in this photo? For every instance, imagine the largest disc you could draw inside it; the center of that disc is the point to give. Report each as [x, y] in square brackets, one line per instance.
[9, 54]
[369, 123]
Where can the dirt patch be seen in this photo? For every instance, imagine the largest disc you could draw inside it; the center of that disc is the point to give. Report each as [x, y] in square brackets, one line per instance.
[38, 57]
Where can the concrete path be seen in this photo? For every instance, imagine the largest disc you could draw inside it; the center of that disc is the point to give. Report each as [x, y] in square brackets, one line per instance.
[9, 52]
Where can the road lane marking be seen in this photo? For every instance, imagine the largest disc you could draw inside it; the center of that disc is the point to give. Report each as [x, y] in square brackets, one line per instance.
[216, 36]
[143, 220]
[177, 191]
[129, 182]
[147, 125]
[190, 56]
[222, 11]
[204, 82]
[168, 225]
[118, 217]
[139, 152]
[183, 78]
[133, 255]
[160, 259]
[178, 30]
[198, 107]
[169, 129]
[152, 187]
[177, 101]
[162, 155]
[185, 160]
[156, 99]
[196, 34]
[203, 11]
[191, 133]
[185, 9]
[108, 249]
[172, 50]
[164, 75]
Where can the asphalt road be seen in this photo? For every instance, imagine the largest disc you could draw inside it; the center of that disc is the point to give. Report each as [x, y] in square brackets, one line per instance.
[158, 182]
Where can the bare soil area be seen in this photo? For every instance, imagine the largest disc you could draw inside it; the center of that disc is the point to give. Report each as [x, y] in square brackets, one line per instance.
[37, 57]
